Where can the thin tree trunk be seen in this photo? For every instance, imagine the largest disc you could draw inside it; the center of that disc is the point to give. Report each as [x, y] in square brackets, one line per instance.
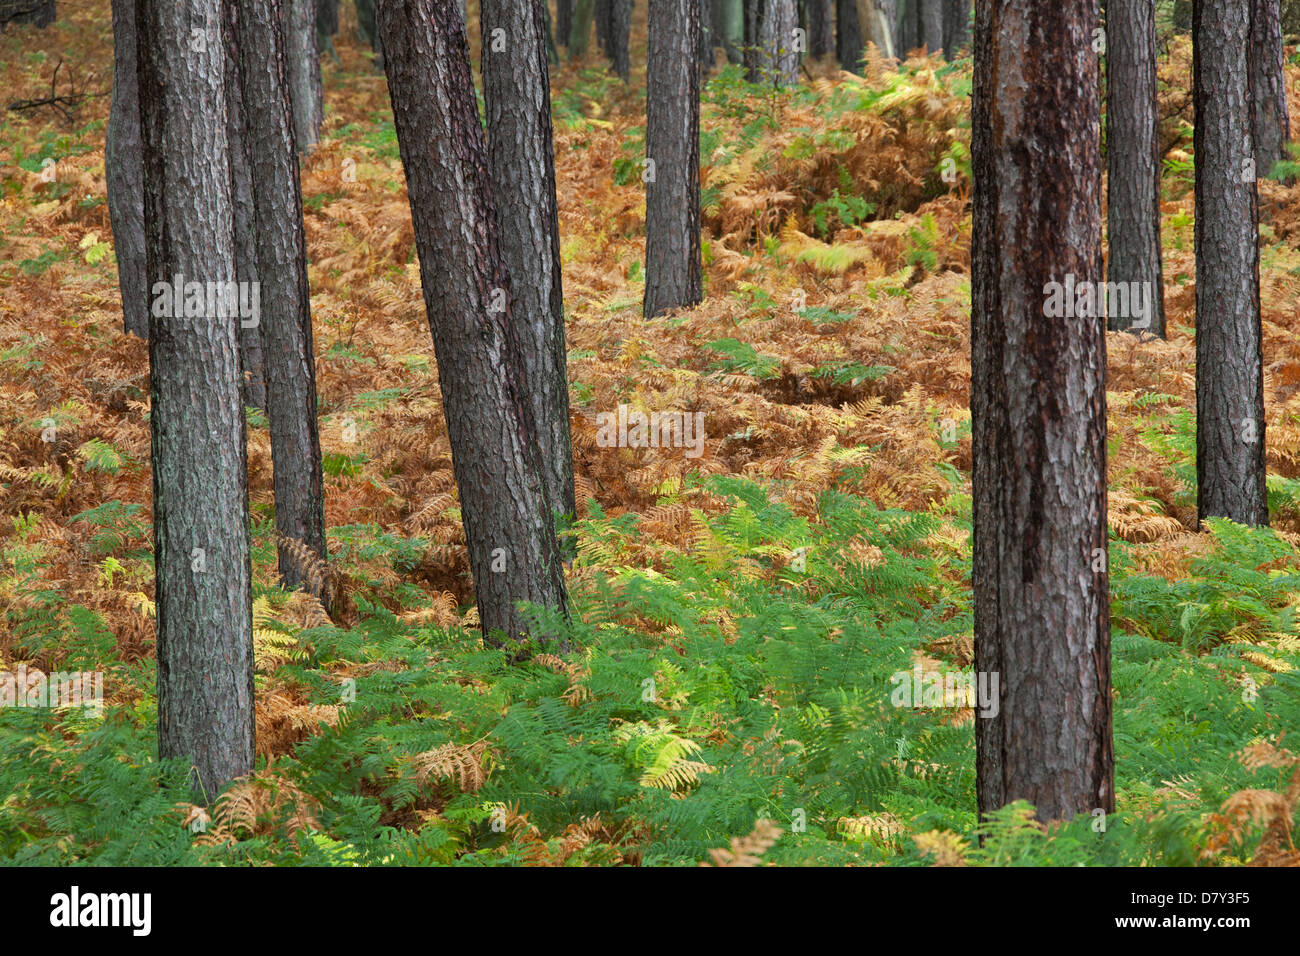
[1038, 408]
[200, 503]
[956, 27]
[1229, 362]
[125, 175]
[286, 331]
[821, 28]
[1133, 160]
[779, 60]
[707, 57]
[516, 93]
[241, 197]
[731, 27]
[848, 36]
[304, 73]
[580, 28]
[621, 38]
[1272, 125]
[513, 552]
[672, 251]
[603, 17]
[754, 11]
[563, 21]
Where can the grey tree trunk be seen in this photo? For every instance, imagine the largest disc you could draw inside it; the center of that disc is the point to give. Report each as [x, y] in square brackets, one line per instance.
[621, 38]
[125, 174]
[672, 223]
[304, 72]
[778, 57]
[1133, 162]
[1229, 361]
[907, 26]
[521, 149]
[730, 24]
[707, 57]
[200, 494]
[241, 197]
[1272, 125]
[1038, 408]
[932, 25]
[563, 21]
[821, 27]
[876, 19]
[285, 326]
[848, 36]
[513, 552]
[956, 27]
[39, 13]
[580, 29]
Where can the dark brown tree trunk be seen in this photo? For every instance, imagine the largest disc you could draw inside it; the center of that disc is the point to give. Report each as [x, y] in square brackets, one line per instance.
[285, 326]
[1038, 408]
[563, 21]
[1133, 161]
[821, 27]
[621, 38]
[241, 197]
[513, 552]
[604, 18]
[672, 138]
[956, 27]
[201, 551]
[707, 58]
[304, 72]
[752, 52]
[848, 36]
[125, 175]
[1229, 360]
[1272, 126]
[516, 93]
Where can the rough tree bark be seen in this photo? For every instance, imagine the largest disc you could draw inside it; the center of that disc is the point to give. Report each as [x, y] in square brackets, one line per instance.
[1229, 362]
[848, 36]
[778, 58]
[304, 72]
[289, 358]
[672, 249]
[513, 552]
[1271, 124]
[1038, 408]
[125, 174]
[1133, 160]
[621, 38]
[241, 198]
[516, 94]
[821, 28]
[200, 494]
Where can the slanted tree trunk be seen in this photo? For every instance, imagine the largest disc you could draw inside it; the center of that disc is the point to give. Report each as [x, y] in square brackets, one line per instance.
[672, 138]
[778, 58]
[125, 174]
[580, 29]
[513, 552]
[304, 72]
[285, 326]
[848, 36]
[1133, 160]
[620, 38]
[241, 198]
[1229, 361]
[1038, 408]
[200, 485]
[821, 27]
[516, 93]
[956, 27]
[1271, 125]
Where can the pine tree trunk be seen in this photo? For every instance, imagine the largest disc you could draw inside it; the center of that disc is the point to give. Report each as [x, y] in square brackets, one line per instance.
[604, 18]
[563, 21]
[1133, 161]
[201, 549]
[956, 27]
[241, 197]
[1229, 362]
[932, 25]
[821, 28]
[516, 93]
[580, 28]
[1038, 408]
[907, 29]
[286, 331]
[513, 552]
[876, 19]
[304, 72]
[779, 60]
[751, 50]
[124, 174]
[707, 57]
[621, 38]
[731, 26]
[1272, 126]
[848, 36]
[672, 252]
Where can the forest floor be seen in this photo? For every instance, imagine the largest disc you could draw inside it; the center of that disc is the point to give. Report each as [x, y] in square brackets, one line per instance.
[742, 617]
